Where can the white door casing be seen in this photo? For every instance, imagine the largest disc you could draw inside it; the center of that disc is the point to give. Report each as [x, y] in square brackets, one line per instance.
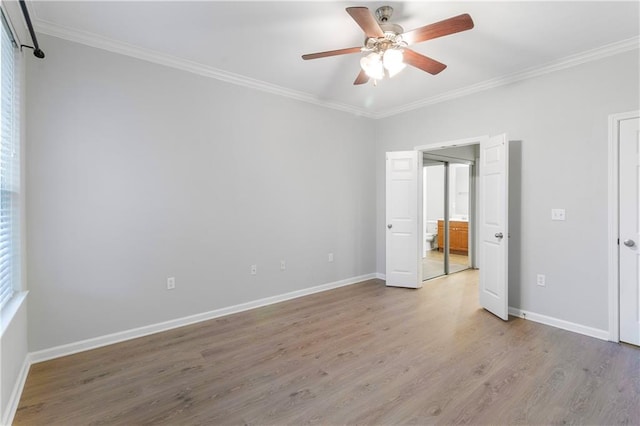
[403, 239]
[493, 226]
[629, 230]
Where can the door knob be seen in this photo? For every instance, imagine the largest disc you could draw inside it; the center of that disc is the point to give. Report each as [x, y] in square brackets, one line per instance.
[499, 235]
[629, 243]
[389, 226]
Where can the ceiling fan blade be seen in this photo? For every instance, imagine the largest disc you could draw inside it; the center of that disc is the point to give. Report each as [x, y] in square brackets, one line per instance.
[332, 53]
[367, 22]
[362, 78]
[425, 63]
[439, 29]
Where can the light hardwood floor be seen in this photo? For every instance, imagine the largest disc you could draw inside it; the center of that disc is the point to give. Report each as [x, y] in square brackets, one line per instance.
[433, 264]
[362, 354]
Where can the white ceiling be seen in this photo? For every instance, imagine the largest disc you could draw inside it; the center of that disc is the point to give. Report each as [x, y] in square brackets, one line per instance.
[261, 42]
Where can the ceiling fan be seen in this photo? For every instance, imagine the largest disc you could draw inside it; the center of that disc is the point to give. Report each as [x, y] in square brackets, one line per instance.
[385, 45]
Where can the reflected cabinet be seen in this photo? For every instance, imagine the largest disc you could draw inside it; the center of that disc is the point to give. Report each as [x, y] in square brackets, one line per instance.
[458, 236]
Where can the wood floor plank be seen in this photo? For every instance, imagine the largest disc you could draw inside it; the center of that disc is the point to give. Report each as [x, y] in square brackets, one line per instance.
[362, 354]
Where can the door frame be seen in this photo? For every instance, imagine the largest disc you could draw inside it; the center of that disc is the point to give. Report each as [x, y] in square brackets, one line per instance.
[613, 232]
[473, 223]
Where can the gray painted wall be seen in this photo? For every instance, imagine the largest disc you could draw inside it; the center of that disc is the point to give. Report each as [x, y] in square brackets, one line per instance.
[137, 172]
[561, 121]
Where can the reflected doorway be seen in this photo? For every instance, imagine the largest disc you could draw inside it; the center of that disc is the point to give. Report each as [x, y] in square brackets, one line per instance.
[447, 209]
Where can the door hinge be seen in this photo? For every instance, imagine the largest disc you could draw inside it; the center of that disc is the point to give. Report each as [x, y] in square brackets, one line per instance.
[618, 241]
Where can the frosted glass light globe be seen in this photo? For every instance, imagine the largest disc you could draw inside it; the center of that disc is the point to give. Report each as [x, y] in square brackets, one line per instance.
[392, 61]
[372, 65]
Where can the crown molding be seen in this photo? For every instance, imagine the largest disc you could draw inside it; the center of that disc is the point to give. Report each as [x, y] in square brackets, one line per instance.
[127, 49]
[94, 40]
[567, 62]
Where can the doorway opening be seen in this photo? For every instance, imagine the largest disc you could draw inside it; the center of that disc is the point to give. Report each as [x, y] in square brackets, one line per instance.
[489, 239]
[448, 207]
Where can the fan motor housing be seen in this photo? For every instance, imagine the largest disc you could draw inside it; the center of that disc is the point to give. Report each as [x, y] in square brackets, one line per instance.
[392, 28]
[383, 13]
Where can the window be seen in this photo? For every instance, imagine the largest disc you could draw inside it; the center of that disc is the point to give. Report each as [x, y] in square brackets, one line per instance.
[9, 167]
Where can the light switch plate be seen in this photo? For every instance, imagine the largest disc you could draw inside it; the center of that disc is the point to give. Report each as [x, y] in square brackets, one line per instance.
[558, 214]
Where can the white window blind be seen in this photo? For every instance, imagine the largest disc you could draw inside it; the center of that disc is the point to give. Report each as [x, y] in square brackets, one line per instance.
[9, 167]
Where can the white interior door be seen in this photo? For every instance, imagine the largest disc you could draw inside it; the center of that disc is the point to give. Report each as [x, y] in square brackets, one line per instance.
[493, 225]
[402, 213]
[630, 231]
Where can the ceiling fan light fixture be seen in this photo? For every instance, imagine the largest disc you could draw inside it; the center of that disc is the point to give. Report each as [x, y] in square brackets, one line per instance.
[373, 66]
[392, 61]
[386, 45]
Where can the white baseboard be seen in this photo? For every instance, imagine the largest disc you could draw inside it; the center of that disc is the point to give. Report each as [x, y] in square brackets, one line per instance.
[14, 399]
[380, 276]
[109, 339]
[558, 323]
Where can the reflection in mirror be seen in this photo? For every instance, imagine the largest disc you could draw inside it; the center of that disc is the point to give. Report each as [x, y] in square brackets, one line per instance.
[458, 217]
[433, 210]
[433, 261]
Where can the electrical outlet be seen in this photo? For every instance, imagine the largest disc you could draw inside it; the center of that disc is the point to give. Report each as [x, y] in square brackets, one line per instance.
[330, 257]
[171, 283]
[558, 214]
[254, 269]
[283, 265]
[541, 280]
